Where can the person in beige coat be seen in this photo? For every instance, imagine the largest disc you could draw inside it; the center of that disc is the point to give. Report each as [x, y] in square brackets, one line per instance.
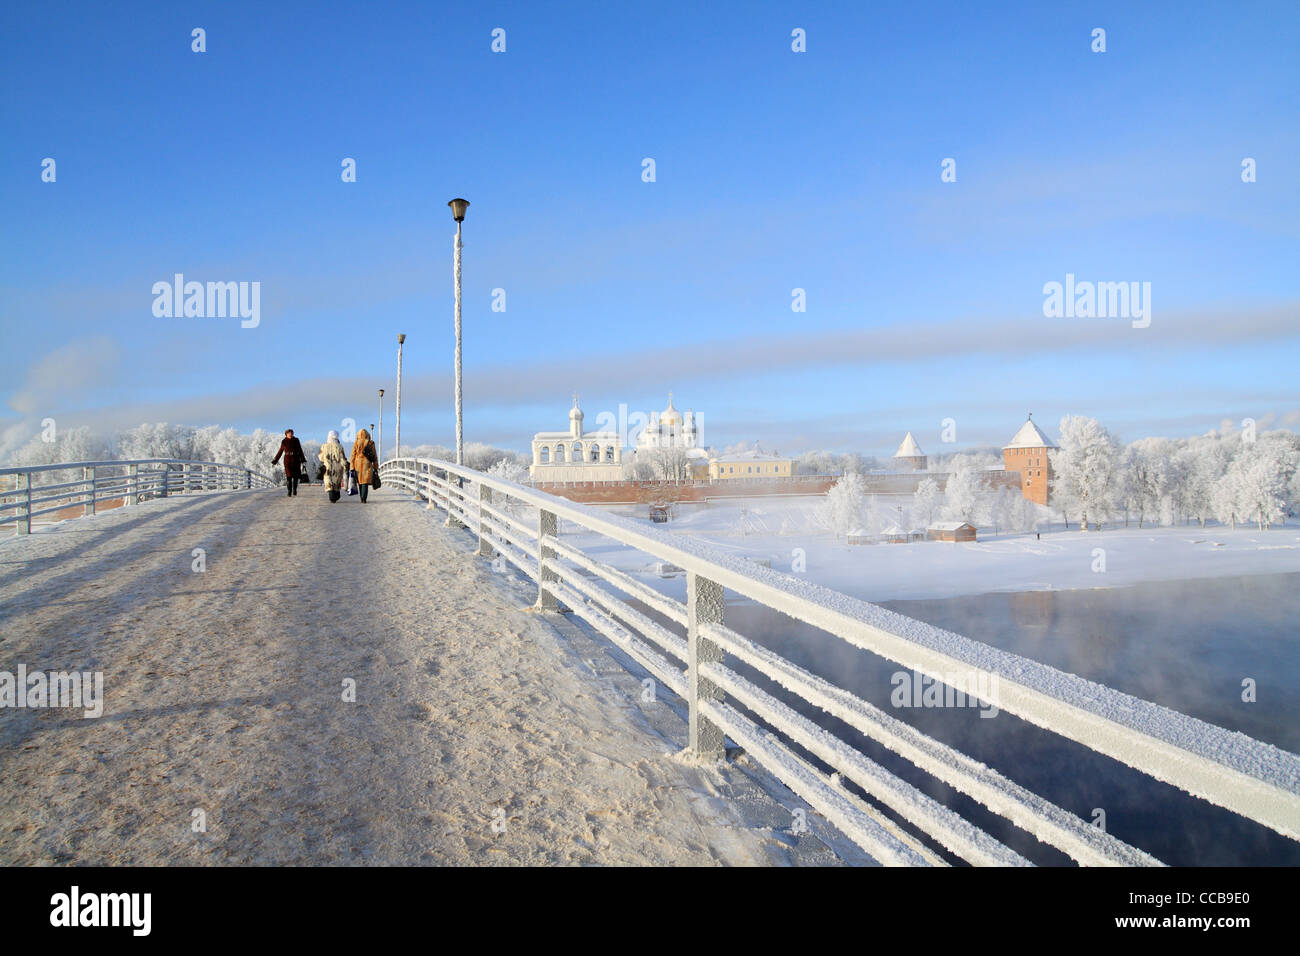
[364, 463]
[334, 465]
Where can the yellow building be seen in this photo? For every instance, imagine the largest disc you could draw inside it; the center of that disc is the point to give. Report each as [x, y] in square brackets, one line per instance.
[750, 464]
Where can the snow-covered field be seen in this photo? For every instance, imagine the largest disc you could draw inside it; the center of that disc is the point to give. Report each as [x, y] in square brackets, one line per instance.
[786, 533]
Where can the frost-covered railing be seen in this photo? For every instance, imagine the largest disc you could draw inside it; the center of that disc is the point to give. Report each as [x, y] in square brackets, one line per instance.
[1251, 778]
[24, 496]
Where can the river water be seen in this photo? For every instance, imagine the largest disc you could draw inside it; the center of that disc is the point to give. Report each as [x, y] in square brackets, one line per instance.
[1186, 645]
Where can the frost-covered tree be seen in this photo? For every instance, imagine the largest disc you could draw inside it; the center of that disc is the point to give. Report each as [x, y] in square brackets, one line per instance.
[966, 495]
[509, 469]
[1226, 495]
[846, 507]
[1009, 510]
[1205, 460]
[1153, 480]
[815, 463]
[927, 503]
[830, 463]
[433, 452]
[669, 464]
[1088, 470]
[482, 457]
[261, 446]
[1258, 482]
[1262, 474]
[637, 467]
[157, 440]
[73, 444]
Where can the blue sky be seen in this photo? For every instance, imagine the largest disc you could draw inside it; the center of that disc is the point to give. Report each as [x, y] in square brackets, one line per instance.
[775, 170]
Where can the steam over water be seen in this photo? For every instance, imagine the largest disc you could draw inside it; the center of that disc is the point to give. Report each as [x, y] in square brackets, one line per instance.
[1186, 645]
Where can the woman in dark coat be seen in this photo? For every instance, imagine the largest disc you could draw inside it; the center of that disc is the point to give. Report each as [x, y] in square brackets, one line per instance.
[294, 458]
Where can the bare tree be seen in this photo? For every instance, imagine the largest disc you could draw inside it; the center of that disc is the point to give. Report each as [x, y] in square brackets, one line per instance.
[671, 464]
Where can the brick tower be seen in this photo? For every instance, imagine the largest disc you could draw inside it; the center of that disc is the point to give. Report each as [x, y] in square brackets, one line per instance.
[1027, 454]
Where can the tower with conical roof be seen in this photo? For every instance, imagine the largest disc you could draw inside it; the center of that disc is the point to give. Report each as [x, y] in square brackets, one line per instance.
[1027, 453]
[909, 456]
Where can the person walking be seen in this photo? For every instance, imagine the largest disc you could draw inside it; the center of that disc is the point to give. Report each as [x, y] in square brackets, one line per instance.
[363, 462]
[294, 459]
[334, 464]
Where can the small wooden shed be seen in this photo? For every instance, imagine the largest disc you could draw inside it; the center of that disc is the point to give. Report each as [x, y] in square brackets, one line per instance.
[951, 531]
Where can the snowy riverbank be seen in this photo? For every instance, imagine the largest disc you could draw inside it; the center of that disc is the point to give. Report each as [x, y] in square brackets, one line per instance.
[785, 533]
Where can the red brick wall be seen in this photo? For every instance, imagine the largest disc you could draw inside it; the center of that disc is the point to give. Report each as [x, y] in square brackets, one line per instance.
[645, 492]
[1035, 468]
[640, 492]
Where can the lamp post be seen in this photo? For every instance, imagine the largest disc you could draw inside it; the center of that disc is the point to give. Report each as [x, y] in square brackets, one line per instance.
[379, 440]
[397, 440]
[458, 207]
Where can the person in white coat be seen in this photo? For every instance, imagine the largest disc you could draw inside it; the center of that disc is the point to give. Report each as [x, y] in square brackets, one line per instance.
[335, 464]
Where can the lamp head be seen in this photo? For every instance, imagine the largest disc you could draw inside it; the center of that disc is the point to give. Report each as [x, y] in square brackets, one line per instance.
[458, 207]
[401, 337]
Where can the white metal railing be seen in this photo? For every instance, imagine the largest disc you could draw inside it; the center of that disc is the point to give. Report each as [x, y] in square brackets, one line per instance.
[101, 481]
[1249, 777]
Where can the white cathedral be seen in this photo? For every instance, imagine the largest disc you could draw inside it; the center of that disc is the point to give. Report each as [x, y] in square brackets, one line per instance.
[578, 455]
[670, 429]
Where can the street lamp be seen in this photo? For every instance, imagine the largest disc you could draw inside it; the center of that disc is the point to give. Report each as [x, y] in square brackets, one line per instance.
[379, 440]
[458, 207]
[397, 440]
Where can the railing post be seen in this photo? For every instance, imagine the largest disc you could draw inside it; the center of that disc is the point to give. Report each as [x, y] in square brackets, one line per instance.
[248, 478]
[548, 526]
[25, 485]
[132, 485]
[704, 605]
[88, 508]
[166, 480]
[484, 547]
[452, 520]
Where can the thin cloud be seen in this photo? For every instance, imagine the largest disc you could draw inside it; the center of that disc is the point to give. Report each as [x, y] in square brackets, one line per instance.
[85, 365]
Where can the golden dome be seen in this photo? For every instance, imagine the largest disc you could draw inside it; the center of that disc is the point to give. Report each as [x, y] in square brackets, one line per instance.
[670, 415]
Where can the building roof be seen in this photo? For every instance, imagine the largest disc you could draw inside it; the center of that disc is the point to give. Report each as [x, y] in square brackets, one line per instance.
[568, 436]
[1030, 436]
[909, 448]
[951, 525]
[753, 455]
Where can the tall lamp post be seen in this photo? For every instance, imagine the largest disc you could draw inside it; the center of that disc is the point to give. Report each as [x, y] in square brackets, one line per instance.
[379, 440]
[397, 440]
[458, 207]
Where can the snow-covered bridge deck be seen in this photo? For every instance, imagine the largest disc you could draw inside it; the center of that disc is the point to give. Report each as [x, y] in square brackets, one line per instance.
[480, 732]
